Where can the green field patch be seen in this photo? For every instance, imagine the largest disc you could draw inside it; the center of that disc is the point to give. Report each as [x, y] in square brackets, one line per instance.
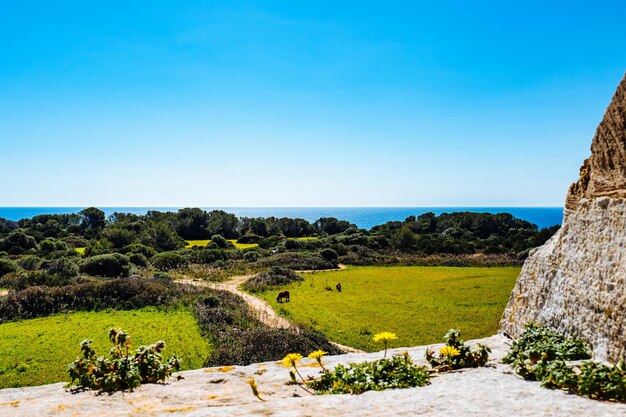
[419, 304]
[37, 351]
[204, 242]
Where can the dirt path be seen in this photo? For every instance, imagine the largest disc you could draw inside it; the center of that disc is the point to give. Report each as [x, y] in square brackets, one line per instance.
[262, 311]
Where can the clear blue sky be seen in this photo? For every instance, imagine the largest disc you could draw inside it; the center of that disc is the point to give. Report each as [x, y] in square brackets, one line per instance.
[325, 103]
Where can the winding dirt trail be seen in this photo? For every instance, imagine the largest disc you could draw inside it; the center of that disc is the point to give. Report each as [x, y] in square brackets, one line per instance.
[262, 311]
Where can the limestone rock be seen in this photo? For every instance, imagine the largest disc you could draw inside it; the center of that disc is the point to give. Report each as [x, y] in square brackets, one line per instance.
[490, 391]
[575, 283]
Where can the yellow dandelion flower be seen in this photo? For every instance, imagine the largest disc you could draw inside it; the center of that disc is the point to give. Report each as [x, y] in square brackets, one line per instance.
[317, 355]
[255, 390]
[449, 351]
[384, 337]
[252, 383]
[291, 360]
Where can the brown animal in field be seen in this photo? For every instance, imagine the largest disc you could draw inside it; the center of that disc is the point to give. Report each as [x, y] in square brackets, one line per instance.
[283, 297]
[338, 286]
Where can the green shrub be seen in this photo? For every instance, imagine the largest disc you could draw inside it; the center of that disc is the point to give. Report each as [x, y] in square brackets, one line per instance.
[330, 255]
[220, 241]
[61, 267]
[30, 263]
[17, 243]
[108, 265]
[6, 266]
[540, 354]
[541, 344]
[122, 370]
[382, 374]
[297, 261]
[50, 245]
[254, 345]
[146, 251]
[207, 256]
[124, 293]
[274, 278]
[602, 382]
[251, 255]
[456, 354]
[166, 261]
[138, 259]
[249, 238]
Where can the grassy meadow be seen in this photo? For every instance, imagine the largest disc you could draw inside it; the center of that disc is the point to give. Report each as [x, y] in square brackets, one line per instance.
[37, 351]
[417, 303]
[204, 242]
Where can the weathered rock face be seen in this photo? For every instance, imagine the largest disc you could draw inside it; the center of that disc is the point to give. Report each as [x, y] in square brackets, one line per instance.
[576, 282]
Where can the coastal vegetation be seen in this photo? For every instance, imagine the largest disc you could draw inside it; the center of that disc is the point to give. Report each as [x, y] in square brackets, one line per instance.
[85, 267]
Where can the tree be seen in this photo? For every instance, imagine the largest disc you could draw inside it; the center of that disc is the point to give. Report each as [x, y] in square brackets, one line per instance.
[191, 223]
[92, 218]
[331, 226]
[162, 236]
[221, 223]
[405, 239]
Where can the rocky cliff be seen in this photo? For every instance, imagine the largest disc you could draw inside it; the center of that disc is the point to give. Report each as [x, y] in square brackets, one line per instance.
[575, 283]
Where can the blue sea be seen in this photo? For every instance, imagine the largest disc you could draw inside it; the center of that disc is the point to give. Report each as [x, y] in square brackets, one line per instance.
[363, 217]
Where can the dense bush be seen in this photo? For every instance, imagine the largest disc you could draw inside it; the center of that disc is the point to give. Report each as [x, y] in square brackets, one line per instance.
[166, 261]
[125, 293]
[17, 243]
[249, 238]
[297, 261]
[21, 280]
[108, 265]
[50, 245]
[244, 347]
[330, 255]
[6, 266]
[251, 255]
[382, 374]
[146, 251]
[138, 259]
[220, 241]
[61, 267]
[30, 262]
[207, 256]
[122, 370]
[274, 278]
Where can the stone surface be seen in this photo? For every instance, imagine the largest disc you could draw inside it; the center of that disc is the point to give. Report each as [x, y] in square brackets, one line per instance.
[490, 391]
[575, 283]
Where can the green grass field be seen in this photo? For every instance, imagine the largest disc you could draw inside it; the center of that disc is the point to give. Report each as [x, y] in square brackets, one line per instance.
[419, 304]
[191, 243]
[37, 351]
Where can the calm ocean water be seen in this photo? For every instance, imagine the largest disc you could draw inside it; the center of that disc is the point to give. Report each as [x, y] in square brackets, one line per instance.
[363, 217]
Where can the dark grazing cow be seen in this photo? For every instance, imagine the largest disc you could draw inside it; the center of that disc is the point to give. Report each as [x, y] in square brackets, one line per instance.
[283, 297]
